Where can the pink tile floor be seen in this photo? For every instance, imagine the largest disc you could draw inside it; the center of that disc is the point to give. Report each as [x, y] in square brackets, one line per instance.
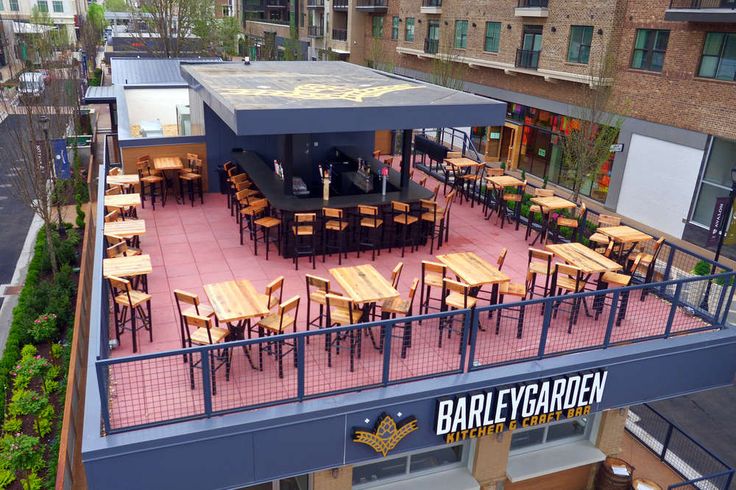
[191, 247]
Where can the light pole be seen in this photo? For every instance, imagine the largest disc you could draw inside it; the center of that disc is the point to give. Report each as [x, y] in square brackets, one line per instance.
[43, 121]
[725, 222]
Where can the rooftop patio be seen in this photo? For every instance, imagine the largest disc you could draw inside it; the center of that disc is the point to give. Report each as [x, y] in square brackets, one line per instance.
[191, 247]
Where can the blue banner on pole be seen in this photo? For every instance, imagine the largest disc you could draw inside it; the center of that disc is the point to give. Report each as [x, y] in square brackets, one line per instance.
[61, 160]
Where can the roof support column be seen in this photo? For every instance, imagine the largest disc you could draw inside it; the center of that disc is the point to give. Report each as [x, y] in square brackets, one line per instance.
[288, 166]
[405, 157]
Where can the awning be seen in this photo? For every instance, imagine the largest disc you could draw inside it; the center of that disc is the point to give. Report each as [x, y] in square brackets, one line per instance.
[28, 28]
[100, 95]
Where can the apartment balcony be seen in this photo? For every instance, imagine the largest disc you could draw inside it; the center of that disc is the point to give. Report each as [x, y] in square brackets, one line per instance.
[431, 7]
[716, 11]
[527, 58]
[315, 4]
[254, 7]
[372, 5]
[340, 5]
[316, 31]
[277, 4]
[340, 34]
[431, 46]
[532, 8]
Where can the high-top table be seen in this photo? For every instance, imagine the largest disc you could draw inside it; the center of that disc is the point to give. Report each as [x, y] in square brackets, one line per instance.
[169, 165]
[624, 236]
[547, 205]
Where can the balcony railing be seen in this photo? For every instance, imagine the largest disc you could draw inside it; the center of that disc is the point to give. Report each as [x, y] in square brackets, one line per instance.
[316, 31]
[276, 4]
[372, 4]
[533, 3]
[340, 34]
[340, 4]
[315, 4]
[702, 4]
[527, 58]
[431, 46]
[431, 3]
[254, 7]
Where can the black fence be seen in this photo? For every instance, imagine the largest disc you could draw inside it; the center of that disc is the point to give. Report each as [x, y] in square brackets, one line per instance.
[702, 4]
[340, 34]
[431, 46]
[527, 58]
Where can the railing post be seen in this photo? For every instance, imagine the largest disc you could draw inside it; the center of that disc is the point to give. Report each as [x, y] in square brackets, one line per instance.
[300, 354]
[673, 309]
[729, 479]
[666, 442]
[470, 331]
[611, 317]
[387, 335]
[548, 305]
[206, 377]
[727, 309]
[102, 380]
[721, 299]
[668, 268]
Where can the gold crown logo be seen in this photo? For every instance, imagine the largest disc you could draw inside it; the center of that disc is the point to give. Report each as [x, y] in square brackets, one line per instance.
[314, 91]
[386, 435]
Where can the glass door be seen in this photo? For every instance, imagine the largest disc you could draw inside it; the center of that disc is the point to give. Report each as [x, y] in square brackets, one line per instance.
[531, 45]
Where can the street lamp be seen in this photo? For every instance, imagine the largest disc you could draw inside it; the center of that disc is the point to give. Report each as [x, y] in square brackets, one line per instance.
[44, 121]
[725, 222]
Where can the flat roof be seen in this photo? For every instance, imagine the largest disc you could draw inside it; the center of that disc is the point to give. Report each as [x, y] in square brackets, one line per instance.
[293, 97]
[151, 71]
[100, 95]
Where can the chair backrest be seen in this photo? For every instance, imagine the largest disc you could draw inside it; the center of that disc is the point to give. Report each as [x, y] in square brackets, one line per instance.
[275, 291]
[243, 197]
[118, 250]
[569, 271]
[452, 286]
[581, 211]
[342, 302]
[191, 157]
[241, 186]
[541, 256]
[539, 192]
[333, 213]
[657, 247]
[144, 160]
[301, 217]
[114, 171]
[609, 249]
[262, 203]
[317, 283]
[635, 264]
[113, 191]
[501, 257]
[119, 284]
[433, 268]
[376, 153]
[197, 165]
[605, 220]
[423, 181]
[236, 179]
[228, 165]
[399, 207]
[448, 203]
[435, 191]
[112, 216]
[197, 321]
[285, 308]
[182, 296]
[494, 172]
[412, 294]
[428, 205]
[370, 212]
[454, 154]
[396, 274]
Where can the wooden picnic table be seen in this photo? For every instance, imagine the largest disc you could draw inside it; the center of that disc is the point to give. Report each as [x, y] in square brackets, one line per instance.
[463, 162]
[547, 205]
[363, 284]
[123, 179]
[123, 200]
[126, 229]
[472, 269]
[587, 260]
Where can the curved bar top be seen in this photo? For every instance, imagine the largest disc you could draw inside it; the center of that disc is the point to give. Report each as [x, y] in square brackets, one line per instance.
[272, 187]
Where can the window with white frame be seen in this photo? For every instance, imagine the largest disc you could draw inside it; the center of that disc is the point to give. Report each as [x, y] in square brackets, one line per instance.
[14, 5]
[411, 465]
[58, 6]
[550, 435]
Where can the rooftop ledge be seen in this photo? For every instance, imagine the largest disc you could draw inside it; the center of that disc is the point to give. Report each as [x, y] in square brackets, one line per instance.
[510, 69]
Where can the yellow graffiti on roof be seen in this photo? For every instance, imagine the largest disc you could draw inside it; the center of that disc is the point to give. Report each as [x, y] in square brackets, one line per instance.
[314, 91]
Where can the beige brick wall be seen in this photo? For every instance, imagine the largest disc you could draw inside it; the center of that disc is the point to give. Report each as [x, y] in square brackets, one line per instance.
[342, 480]
[611, 431]
[491, 458]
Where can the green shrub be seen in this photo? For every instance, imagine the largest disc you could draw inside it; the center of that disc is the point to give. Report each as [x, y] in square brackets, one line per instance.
[32, 482]
[702, 268]
[6, 477]
[28, 350]
[22, 452]
[28, 368]
[44, 328]
[12, 425]
[57, 350]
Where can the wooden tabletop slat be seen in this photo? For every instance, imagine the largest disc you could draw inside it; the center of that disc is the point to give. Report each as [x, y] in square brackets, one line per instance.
[235, 300]
[472, 269]
[127, 266]
[586, 259]
[462, 162]
[624, 234]
[363, 283]
[123, 179]
[505, 181]
[122, 200]
[167, 163]
[126, 229]
[553, 203]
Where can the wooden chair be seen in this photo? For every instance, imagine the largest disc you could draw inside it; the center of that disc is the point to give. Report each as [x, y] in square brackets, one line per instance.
[539, 264]
[616, 280]
[188, 304]
[194, 179]
[470, 182]
[399, 306]
[335, 226]
[423, 181]
[515, 199]
[276, 324]
[265, 221]
[490, 196]
[567, 280]
[599, 241]
[120, 248]
[341, 311]
[304, 236]
[574, 222]
[433, 274]
[403, 219]
[455, 296]
[536, 209]
[113, 216]
[128, 301]
[206, 334]
[250, 210]
[517, 290]
[153, 181]
[648, 262]
[370, 230]
[317, 288]
[435, 192]
[396, 274]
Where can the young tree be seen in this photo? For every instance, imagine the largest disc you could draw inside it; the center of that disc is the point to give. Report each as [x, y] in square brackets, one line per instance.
[164, 27]
[448, 70]
[587, 147]
[116, 6]
[379, 58]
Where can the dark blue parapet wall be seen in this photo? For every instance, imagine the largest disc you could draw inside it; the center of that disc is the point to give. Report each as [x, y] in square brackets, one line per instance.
[295, 97]
[262, 445]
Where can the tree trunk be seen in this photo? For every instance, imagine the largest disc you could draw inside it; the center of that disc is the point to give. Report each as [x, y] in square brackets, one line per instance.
[50, 248]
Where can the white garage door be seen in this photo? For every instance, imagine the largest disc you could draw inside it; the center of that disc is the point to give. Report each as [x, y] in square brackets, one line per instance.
[658, 183]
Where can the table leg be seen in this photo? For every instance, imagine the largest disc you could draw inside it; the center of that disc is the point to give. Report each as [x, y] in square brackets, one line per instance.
[237, 332]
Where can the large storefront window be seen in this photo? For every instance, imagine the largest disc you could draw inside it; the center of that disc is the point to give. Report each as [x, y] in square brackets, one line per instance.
[300, 482]
[556, 433]
[410, 465]
[716, 181]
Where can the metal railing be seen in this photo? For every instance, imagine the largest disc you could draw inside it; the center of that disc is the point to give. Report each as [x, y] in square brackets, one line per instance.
[698, 466]
[340, 4]
[431, 46]
[315, 31]
[365, 4]
[455, 138]
[274, 4]
[340, 34]
[431, 3]
[527, 58]
[702, 4]
[315, 3]
[533, 3]
[582, 55]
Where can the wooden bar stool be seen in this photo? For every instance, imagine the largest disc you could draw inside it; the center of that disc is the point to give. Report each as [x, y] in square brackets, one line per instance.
[153, 181]
[567, 280]
[194, 180]
[399, 306]
[317, 288]
[490, 196]
[341, 311]
[264, 222]
[303, 232]
[206, 334]
[514, 198]
[539, 264]
[599, 241]
[433, 273]
[573, 223]
[455, 296]
[517, 290]
[404, 220]
[129, 301]
[370, 229]
[619, 280]
[188, 304]
[536, 209]
[248, 216]
[334, 226]
[277, 324]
